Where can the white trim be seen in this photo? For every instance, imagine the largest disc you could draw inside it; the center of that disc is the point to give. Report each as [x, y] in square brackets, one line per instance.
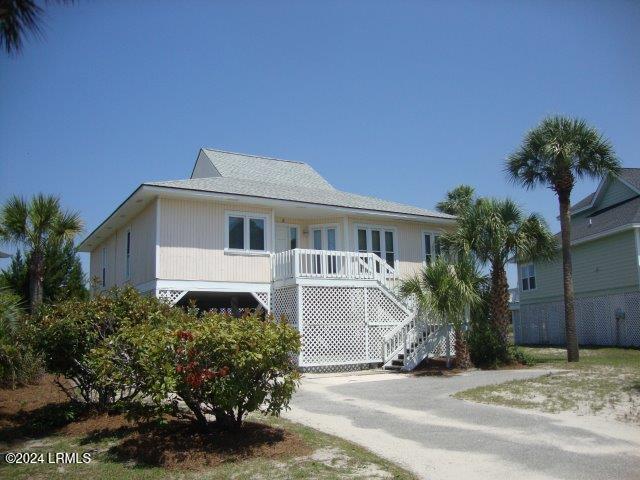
[521, 277]
[206, 286]
[323, 227]
[157, 259]
[383, 243]
[606, 233]
[432, 234]
[599, 190]
[247, 216]
[103, 268]
[278, 202]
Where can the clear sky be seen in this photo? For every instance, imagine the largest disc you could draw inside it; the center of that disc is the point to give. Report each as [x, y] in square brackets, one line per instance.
[399, 99]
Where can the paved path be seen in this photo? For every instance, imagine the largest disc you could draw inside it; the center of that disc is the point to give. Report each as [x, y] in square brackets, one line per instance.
[414, 422]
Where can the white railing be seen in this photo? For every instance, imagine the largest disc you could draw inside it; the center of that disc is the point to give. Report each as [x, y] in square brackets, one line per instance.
[304, 263]
[394, 340]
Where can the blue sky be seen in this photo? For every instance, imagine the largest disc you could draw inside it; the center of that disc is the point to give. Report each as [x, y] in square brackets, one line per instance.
[402, 100]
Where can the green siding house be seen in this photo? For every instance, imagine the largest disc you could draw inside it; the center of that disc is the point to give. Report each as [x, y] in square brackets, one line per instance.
[606, 273]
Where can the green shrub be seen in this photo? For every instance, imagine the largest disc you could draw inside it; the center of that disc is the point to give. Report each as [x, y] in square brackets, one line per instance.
[485, 348]
[79, 340]
[219, 365]
[520, 356]
[19, 363]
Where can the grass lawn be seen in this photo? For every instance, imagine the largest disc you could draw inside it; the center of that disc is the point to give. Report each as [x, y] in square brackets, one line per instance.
[606, 382]
[268, 448]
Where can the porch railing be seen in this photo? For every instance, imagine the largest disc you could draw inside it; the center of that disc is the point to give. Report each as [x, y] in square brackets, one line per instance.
[330, 264]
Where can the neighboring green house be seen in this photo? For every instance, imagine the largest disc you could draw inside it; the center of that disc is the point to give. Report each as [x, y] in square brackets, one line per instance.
[605, 237]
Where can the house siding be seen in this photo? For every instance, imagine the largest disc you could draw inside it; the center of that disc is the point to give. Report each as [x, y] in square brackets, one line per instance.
[606, 265]
[142, 258]
[615, 192]
[191, 243]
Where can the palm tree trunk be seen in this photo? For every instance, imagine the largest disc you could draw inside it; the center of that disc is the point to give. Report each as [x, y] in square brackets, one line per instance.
[462, 358]
[36, 276]
[499, 307]
[573, 354]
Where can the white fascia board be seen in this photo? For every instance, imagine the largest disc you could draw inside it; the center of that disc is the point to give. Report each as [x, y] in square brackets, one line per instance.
[207, 286]
[272, 202]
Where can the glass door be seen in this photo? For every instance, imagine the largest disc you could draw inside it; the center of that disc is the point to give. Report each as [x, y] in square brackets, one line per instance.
[325, 237]
[378, 241]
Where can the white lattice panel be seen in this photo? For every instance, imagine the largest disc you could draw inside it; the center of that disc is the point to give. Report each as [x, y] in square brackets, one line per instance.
[263, 298]
[596, 321]
[382, 309]
[284, 303]
[630, 326]
[334, 326]
[171, 296]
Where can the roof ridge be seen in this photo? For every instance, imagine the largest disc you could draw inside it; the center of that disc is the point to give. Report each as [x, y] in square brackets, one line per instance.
[254, 156]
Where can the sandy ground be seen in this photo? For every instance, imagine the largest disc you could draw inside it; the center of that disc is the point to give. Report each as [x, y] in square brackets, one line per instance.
[413, 421]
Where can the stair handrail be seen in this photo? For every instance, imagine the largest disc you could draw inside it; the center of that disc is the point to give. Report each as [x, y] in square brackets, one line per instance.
[394, 340]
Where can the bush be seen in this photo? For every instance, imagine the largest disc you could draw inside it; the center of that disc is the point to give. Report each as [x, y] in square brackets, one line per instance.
[79, 340]
[221, 366]
[19, 363]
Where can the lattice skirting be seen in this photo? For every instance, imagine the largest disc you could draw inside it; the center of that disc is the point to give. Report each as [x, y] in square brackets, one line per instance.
[341, 326]
[602, 320]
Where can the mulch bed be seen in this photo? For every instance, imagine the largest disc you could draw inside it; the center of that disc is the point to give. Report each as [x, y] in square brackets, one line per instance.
[39, 410]
[181, 445]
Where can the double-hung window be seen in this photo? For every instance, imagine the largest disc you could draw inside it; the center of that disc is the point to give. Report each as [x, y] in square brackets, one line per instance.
[431, 246]
[528, 277]
[127, 259]
[246, 232]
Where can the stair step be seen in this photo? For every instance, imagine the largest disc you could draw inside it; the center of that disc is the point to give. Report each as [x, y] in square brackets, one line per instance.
[401, 356]
[392, 367]
[399, 363]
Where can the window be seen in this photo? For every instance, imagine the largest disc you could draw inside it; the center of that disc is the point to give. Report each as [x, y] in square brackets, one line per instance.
[127, 260]
[246, 232]
[104, 267]
[431, 246]
[378, 241]
[528, 276]
[293, 237]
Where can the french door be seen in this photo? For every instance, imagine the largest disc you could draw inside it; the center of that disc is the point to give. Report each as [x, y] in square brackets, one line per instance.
[325, 237]
[379, 241]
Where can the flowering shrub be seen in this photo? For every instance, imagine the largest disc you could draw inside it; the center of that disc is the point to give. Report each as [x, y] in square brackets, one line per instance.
[224, 367]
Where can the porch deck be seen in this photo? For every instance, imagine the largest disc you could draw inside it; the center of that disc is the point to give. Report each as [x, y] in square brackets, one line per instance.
[331, 265]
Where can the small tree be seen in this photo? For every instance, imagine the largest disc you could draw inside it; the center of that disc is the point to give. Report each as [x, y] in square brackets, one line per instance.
[555, 154]
[447, 289]
[494, 232]
[36, 225]
[457, 200]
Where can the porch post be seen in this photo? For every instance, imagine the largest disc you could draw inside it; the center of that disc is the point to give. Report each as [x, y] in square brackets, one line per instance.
[448, 346]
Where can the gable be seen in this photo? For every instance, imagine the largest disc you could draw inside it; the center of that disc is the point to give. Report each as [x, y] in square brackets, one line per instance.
[216, 163]
[613, 193]
[203, 167]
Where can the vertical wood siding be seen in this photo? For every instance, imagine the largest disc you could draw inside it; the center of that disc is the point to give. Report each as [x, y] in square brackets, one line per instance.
[192, 244]
[142, 266]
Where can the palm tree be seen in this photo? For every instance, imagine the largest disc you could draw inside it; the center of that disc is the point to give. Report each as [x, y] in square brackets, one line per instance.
[446, 289]
[18, 17]
[36, 225]
[495, 232]
[457, 200]
[555, 154]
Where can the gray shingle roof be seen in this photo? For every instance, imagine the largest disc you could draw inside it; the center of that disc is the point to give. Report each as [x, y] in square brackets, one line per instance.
[607, 219]
[297, 193]
[629, 175]
[265, 169]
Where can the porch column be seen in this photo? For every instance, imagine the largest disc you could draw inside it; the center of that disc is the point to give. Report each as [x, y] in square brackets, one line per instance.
[345, 234]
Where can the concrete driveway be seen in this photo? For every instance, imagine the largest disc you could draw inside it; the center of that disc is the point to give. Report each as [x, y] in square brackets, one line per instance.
[414, 422]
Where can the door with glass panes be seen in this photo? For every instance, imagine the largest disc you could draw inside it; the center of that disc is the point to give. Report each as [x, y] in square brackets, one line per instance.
[380, 241]
[324, 237]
